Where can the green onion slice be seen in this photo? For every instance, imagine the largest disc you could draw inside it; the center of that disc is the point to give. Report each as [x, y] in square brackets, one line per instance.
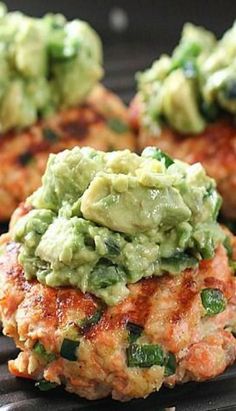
[158, 155]
[213, 301]
[134, 330]
[170, 364]
[145, 356]
[68, 349]
[86, 323]
[40, 350]
[44, 385]
[117, 125]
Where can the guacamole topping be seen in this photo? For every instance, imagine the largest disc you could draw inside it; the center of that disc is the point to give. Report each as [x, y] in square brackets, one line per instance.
[45, 64]
[193, 86]
[103, 220]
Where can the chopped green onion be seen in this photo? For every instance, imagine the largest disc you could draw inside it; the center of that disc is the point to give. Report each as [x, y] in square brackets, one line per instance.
[117, 125]
[178, 262]
[105, 274]
[68, 349]
[170, 364]
[135, 331]
[213, 301]
[112, 247]
[88, 322]
[158, 154]
[62, 47]
[145, 356]
[44, 385]
[40, 350]
[186, 52]
[50, 135]
[25, 158]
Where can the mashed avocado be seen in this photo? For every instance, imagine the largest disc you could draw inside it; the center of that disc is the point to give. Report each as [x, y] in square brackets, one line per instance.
[103, 220]
[193, 86]
[45, 64]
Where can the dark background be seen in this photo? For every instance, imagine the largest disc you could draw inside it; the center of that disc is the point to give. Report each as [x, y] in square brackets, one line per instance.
[147, 28]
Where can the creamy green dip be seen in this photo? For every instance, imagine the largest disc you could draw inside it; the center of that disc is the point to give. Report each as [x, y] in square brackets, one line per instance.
[45, 64]
[103, 220]
[193, 86]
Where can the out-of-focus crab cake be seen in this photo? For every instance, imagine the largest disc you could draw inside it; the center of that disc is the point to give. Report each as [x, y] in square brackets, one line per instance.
[186, 105]
[100, 122]
[51, 99]
[116, 278]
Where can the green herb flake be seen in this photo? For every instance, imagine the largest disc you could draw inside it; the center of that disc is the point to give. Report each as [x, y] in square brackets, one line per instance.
[40, 350]
[145, 356]
[50, 135]
[135, 331]
[25, 158]
[159, 155]
[170, 364]
[86, 323]
[68, 349]
[213, 301]
[178, 262]
[112, 247]
[44, 385]
[117, 125]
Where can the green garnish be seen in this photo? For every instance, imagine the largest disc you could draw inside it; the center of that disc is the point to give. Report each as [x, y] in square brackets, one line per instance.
[104, 275]
[178, 262]
[170, 364]
[135, 331]
[89, 321]
[117, 125]
[62, 49]
[44, 385]
[68, 349]
[50, 135]
[112, 247]
[25, 158]
[159, 155]
[213, 301]
[40, 350]
[145, 356]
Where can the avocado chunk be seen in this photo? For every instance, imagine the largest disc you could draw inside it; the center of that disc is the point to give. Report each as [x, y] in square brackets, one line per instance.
[112, 206]
[180, 104]
[193, 86]
[46, 64]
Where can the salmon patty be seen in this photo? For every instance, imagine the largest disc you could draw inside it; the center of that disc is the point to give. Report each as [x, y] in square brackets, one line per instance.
[101, 122]
[215, 148]
[169, 329]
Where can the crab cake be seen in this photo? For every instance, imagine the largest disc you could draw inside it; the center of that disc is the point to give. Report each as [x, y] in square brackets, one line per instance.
[100, 122]
[215, 148]
[186, 105]
[50, 99]
[116, 278]
[161, 334]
